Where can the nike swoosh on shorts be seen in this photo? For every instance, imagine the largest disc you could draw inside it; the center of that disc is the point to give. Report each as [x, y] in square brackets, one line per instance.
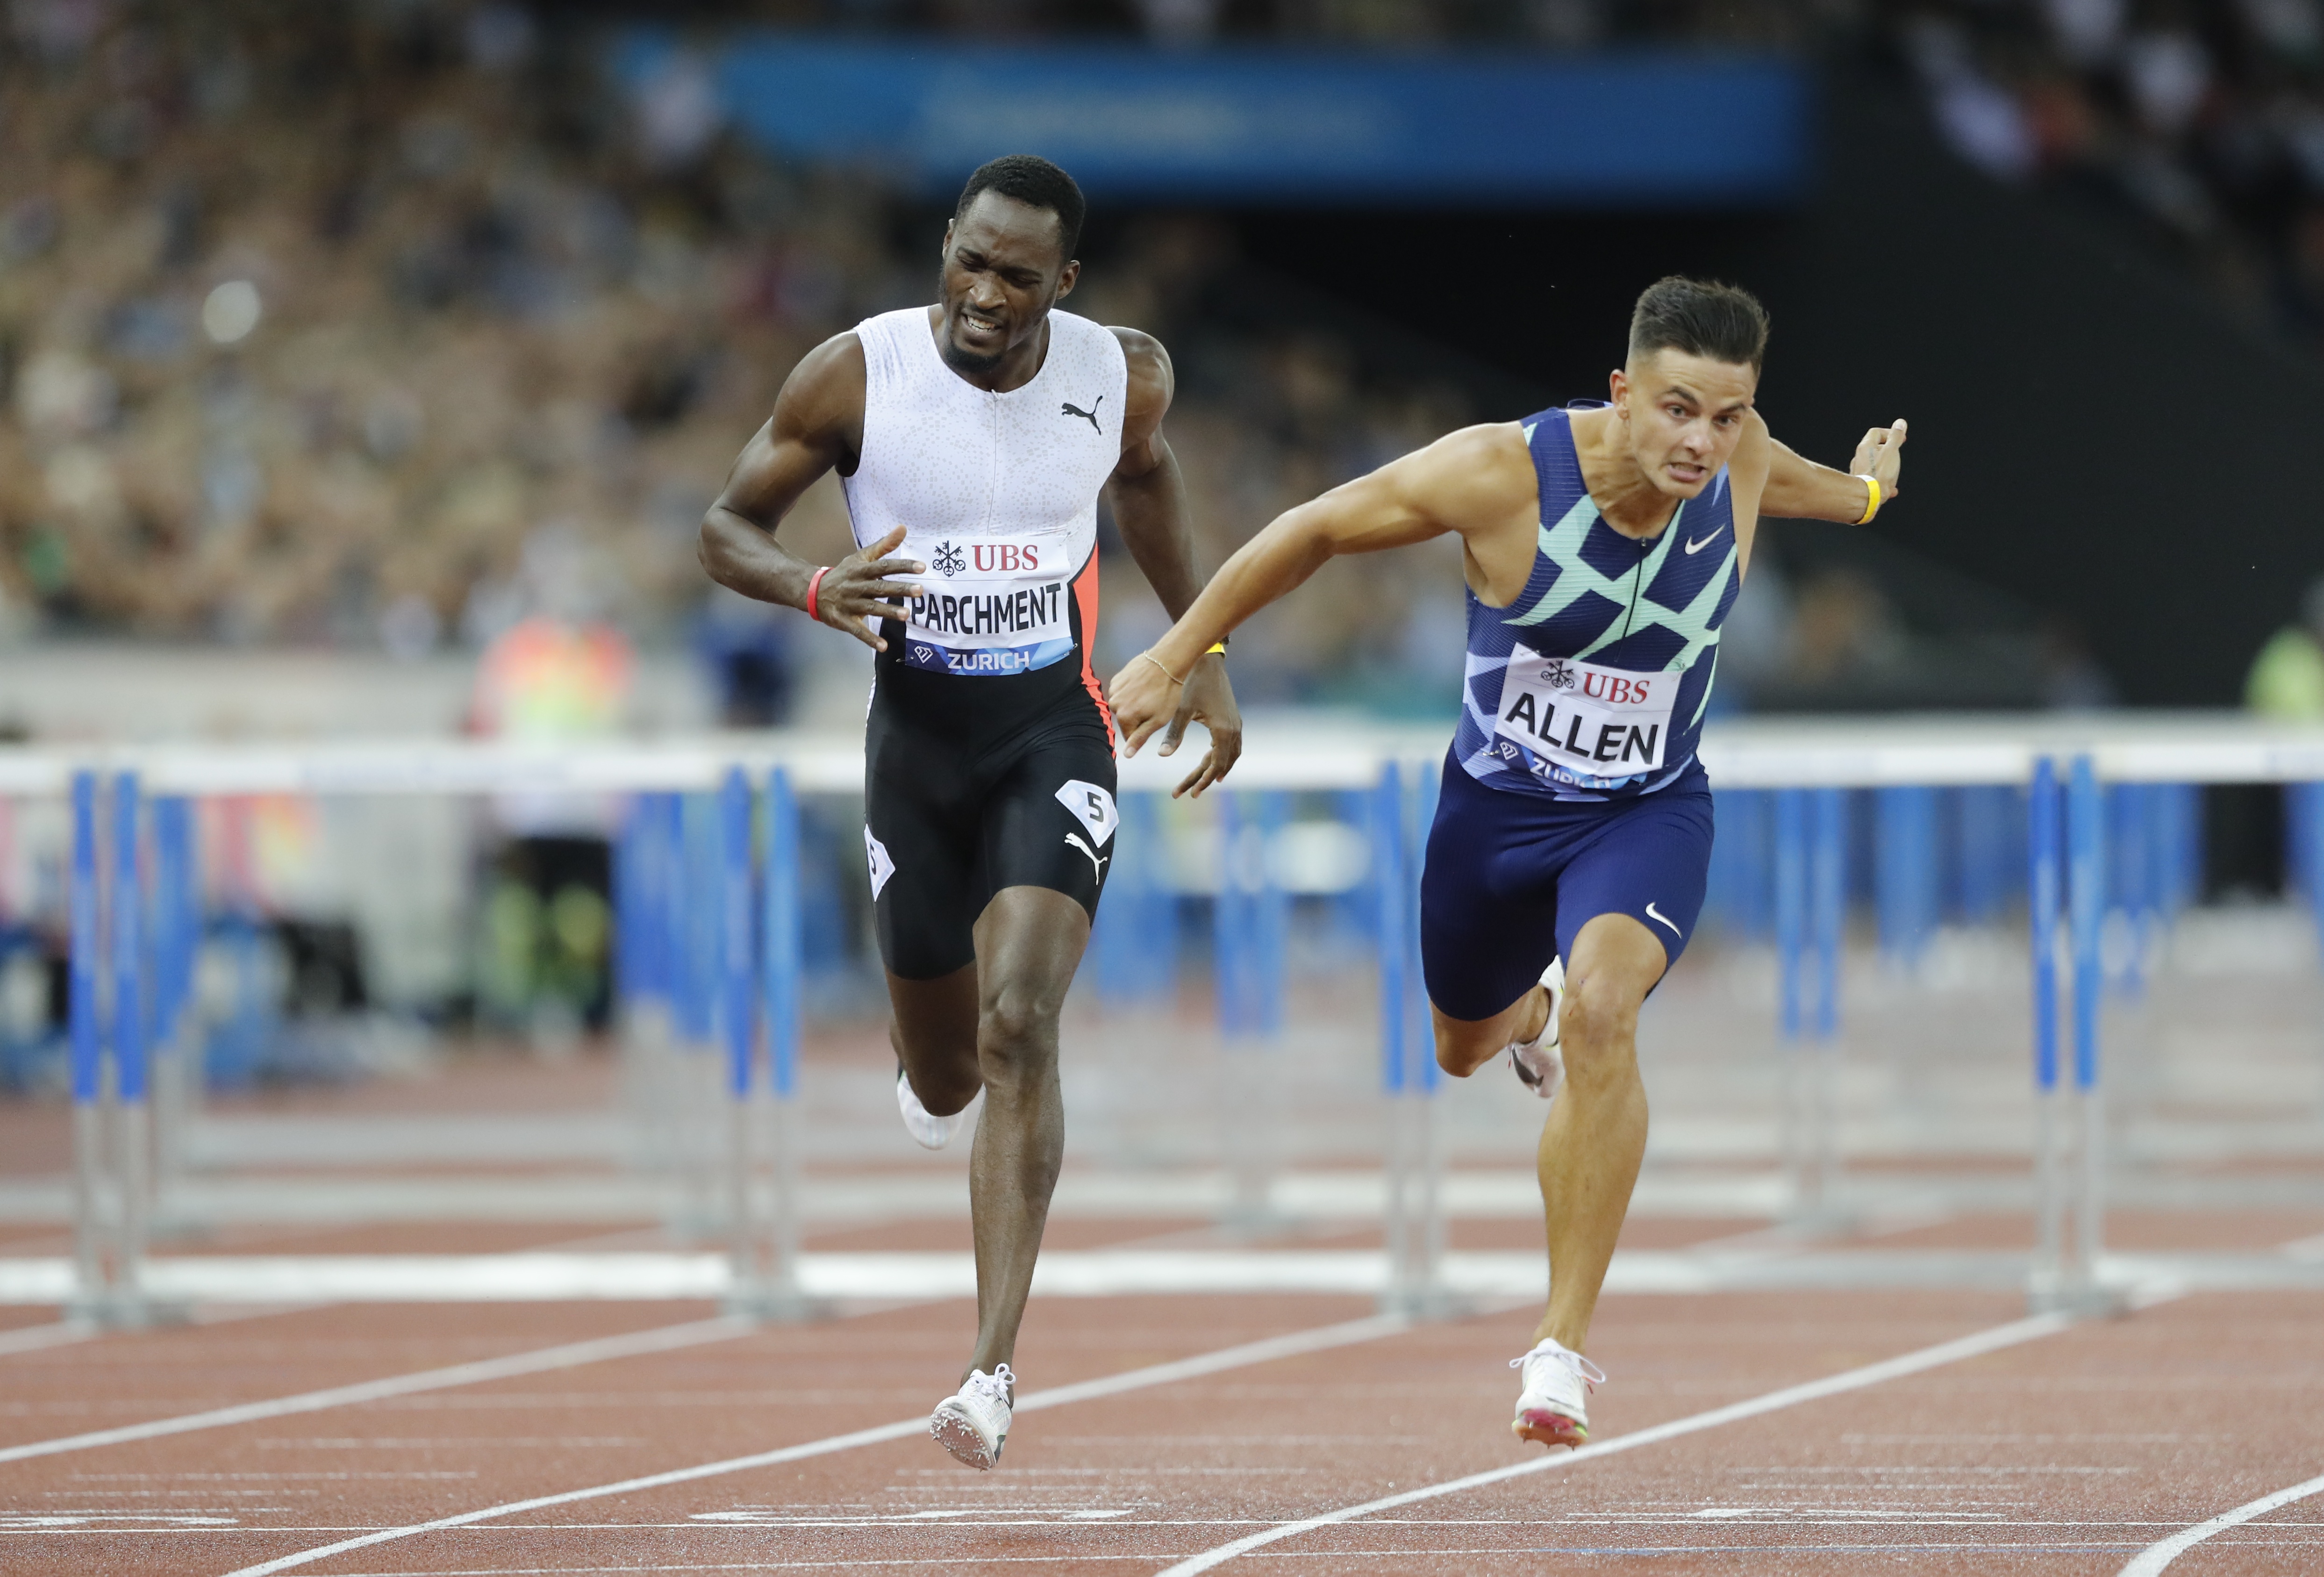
[1654, 914]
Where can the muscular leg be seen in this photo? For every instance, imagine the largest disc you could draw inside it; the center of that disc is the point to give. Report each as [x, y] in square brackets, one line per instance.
[993, 1025]
[932, 1028]
[1596, 1134]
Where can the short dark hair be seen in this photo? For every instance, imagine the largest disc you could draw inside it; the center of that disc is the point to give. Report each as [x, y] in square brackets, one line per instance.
[1720, 323]
[1037, 183]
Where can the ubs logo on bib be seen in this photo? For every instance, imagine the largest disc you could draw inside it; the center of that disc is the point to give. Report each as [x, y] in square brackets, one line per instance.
[1556, 675]
[947, 560]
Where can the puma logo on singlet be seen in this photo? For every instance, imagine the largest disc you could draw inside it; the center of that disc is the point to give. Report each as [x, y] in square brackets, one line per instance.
[1097, 863]
[1089, 416]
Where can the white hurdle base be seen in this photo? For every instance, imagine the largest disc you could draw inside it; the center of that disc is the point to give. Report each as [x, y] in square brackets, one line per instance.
[858, 1278]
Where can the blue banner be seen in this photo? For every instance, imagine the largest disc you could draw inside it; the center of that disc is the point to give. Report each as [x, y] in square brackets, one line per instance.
[1281, 125]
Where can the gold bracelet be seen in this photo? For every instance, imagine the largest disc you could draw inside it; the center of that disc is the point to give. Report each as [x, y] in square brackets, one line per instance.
[1872, 506]
[1167, 674]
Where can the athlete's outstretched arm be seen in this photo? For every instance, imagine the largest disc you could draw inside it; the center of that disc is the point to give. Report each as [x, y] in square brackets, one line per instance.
[1156, 525]
[817, 424]
[1465, 483]
[1798, 489]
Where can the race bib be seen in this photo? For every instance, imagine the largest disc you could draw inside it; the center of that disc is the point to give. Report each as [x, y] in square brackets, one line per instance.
[1591, 722]
[991, 604]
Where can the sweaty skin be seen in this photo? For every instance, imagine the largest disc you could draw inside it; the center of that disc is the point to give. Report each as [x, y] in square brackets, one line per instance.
[1675, 419]
[992, 1025]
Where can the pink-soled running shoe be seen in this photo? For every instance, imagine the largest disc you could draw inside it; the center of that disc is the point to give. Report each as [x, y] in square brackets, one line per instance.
[1553, 1406]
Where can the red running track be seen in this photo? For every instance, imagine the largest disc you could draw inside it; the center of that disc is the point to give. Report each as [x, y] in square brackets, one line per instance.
[2069, 1451]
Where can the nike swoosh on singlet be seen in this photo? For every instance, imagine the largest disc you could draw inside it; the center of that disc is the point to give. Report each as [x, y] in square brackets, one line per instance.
[1694, 547]
[1654, 914]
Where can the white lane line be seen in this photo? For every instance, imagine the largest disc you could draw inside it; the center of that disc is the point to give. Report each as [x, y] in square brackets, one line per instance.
[2157, 1556]
[1872, 1374]
[1293, 1345]
[572, 1355]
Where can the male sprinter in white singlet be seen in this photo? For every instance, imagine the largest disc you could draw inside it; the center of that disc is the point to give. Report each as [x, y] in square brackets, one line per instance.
[1603, 547]
[973, 438]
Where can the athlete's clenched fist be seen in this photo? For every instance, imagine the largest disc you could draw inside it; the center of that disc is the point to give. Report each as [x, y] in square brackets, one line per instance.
[855, 592]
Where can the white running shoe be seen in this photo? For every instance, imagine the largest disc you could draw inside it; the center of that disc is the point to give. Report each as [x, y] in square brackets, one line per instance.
[972, 1423]
[1553, 1406]
[932, 1132]
[1539, 1062]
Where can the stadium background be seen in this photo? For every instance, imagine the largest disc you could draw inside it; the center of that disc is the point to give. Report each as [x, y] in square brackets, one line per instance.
[364, 371]
[517, 283]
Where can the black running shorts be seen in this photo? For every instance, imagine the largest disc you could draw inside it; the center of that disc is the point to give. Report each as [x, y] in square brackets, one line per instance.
[972, 785]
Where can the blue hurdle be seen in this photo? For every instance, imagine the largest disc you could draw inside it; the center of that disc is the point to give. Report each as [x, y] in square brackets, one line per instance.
[738, 1023]
[176, 939]
[91, 1300]
[2086, 900]
[780, 936]
[2043, 890]
[1250, 932]
[132, 1135]
[1811, 874]
[1404, 804]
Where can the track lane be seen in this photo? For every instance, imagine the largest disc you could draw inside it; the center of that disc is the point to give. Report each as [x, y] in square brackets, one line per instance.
[541, 1361]
[1269, 1350]
[2153, 1560]
[1993, 1340]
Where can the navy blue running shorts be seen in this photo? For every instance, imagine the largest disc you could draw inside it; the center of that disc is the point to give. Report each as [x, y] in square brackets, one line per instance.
[1512, 878]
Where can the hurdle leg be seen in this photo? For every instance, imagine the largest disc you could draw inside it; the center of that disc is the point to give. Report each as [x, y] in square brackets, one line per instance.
[91, 1292]
[1791, 927]
[1433, 1299]
[2045, 1281]
[1234, 964]
[2086, 874]
[2307, 798]
[1389, 894]
[1827, 898]
[782, 1294]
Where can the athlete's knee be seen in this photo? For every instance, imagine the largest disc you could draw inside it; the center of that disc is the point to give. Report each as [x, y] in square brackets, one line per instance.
[1597, 1031]
[1016, 1037]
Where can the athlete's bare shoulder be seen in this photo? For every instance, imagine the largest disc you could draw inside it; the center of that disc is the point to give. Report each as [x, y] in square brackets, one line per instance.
[1152, 382]
[821, 404]
[1152, 379]
[829, 382]
[1474, 478]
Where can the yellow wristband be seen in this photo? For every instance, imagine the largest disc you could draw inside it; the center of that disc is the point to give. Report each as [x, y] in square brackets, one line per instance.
[1217, 649]
[1872, 505]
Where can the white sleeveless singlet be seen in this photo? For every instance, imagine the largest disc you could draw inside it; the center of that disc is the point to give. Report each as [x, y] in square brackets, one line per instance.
[997, 492]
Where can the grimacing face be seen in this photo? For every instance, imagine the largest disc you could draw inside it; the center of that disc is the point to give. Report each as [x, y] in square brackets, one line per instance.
[1003, 270]
[1682, 416]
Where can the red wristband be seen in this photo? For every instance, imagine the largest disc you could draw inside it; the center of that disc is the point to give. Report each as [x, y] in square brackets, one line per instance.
[815, 584]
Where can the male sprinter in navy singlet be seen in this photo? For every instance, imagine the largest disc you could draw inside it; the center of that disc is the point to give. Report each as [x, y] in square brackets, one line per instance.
[973, 438]
[1603, 547]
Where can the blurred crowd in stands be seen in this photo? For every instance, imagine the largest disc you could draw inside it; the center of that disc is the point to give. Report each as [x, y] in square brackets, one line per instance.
[2202, 119]
[398, 324]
